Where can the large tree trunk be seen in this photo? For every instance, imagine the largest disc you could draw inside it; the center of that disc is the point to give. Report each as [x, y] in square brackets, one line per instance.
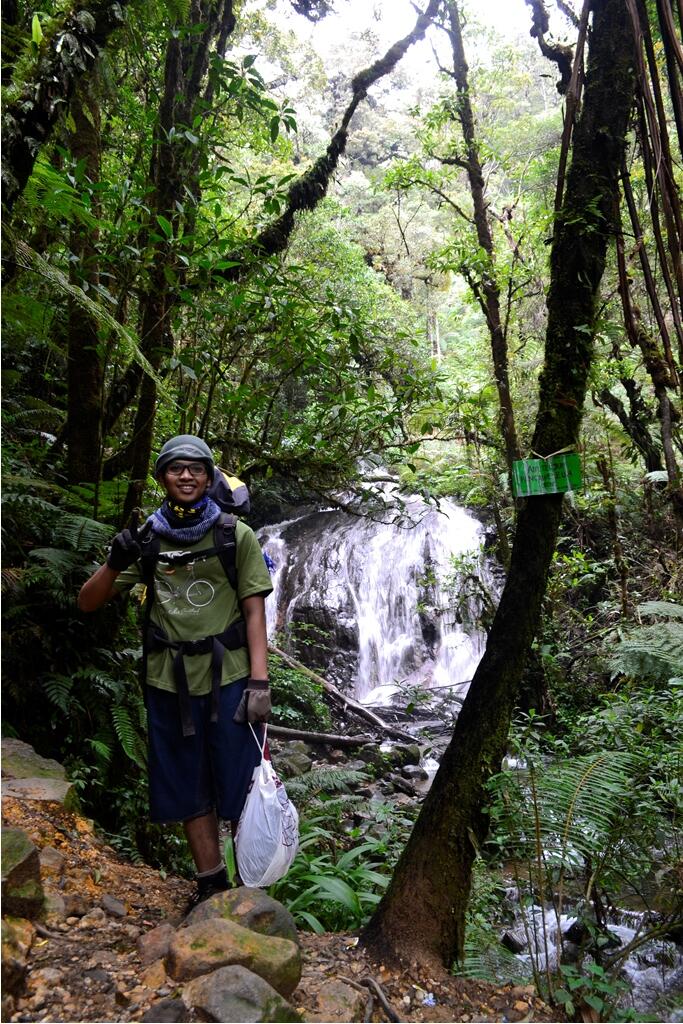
[173, 170]
[422, 916]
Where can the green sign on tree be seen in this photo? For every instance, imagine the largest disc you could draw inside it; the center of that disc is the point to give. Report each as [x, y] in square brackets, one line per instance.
[553, 475]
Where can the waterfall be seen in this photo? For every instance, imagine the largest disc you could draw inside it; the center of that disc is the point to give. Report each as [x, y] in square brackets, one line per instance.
[367, 599]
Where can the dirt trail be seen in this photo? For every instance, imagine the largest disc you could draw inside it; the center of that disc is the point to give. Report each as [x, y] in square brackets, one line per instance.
[84, 963]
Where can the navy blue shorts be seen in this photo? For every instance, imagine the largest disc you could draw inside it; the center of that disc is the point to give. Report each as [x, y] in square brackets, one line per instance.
[192, 775]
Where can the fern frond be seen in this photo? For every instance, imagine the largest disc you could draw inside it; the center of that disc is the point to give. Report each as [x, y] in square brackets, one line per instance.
[178, 11]
[58, 690]
[650, 652]
[34, 410]
[58, 561]
[127, 735]
[101, 682]
[33, 483]
[80, 532]
[27, 501]
[30, 260]
[102, 749]
[662, 609]
[577, 805]
[493, 963]
[48, 191]
[11, 580]
[326, 780]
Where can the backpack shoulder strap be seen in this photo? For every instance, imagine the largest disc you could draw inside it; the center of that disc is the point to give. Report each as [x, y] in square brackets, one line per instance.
[150, 547]
[225, 542]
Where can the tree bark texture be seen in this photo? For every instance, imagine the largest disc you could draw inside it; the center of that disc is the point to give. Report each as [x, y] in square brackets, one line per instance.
[422, 916]
[69, 55]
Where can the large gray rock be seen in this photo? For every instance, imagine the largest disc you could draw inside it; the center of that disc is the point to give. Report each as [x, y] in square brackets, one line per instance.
[28, 776]
[235, 994]
[20, 761]
[58, 791]
[207, 945]
[252, 908]
[22, 893]
[294, 760]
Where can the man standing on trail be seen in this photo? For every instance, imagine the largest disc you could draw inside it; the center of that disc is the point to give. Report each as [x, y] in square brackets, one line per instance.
[205, 650]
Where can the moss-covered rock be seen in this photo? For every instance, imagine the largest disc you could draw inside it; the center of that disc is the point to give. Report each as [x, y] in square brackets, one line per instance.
[251, 908]
[22, 893]
[28, 776]
[235, 993]
[17, 937]
[207, 945]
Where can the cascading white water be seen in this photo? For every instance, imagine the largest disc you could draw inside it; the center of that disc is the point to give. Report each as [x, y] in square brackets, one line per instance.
[382, 585]
[652, 969]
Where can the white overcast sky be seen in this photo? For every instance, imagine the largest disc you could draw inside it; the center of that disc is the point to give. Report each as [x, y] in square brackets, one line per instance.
[391, 19]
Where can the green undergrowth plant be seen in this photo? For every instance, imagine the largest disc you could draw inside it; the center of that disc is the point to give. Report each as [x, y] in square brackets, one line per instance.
[329, 887]
[297, 699]
[593, 993]
[652, 650]
[486, 959]
[347, 851]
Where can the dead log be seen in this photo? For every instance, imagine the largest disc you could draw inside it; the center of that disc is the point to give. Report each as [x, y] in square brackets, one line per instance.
[348, 702]
[285, 733]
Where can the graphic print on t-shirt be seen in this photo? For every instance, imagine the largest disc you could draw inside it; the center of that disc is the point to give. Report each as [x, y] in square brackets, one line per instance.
[183, 589]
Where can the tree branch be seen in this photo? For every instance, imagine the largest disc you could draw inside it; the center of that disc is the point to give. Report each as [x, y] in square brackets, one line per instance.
[556, 52]
[307, 191]
[28, 120]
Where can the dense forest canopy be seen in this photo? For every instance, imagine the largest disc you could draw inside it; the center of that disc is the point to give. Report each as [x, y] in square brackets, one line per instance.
[320, 240]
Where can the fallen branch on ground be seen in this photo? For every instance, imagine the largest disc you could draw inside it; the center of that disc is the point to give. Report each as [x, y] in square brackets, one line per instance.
[318, 737]
[353, 705]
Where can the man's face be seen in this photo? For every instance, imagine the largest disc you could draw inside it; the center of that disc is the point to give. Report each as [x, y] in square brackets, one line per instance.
[185, 480]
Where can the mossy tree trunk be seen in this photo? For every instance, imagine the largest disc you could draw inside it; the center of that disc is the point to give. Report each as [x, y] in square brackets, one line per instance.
[173, 170]
[422, 916]
[65, 58]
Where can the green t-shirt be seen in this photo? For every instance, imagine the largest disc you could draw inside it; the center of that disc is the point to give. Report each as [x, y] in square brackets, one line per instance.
[195, 600]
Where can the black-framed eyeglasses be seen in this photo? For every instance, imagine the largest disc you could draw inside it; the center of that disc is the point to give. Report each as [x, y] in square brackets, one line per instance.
[193, 468]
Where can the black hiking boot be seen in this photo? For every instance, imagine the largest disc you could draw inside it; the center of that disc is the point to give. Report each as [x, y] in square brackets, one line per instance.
[208, 885]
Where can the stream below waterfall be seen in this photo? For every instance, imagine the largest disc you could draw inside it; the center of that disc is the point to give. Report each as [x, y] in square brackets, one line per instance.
[367, 603]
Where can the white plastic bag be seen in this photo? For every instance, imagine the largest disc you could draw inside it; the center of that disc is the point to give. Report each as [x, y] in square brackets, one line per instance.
[267, 837]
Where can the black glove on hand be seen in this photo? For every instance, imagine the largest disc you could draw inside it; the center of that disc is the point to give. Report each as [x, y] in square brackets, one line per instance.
[125, 547]
[254, 705]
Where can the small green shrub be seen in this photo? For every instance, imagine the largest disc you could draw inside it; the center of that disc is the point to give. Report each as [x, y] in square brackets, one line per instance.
[297, 699]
